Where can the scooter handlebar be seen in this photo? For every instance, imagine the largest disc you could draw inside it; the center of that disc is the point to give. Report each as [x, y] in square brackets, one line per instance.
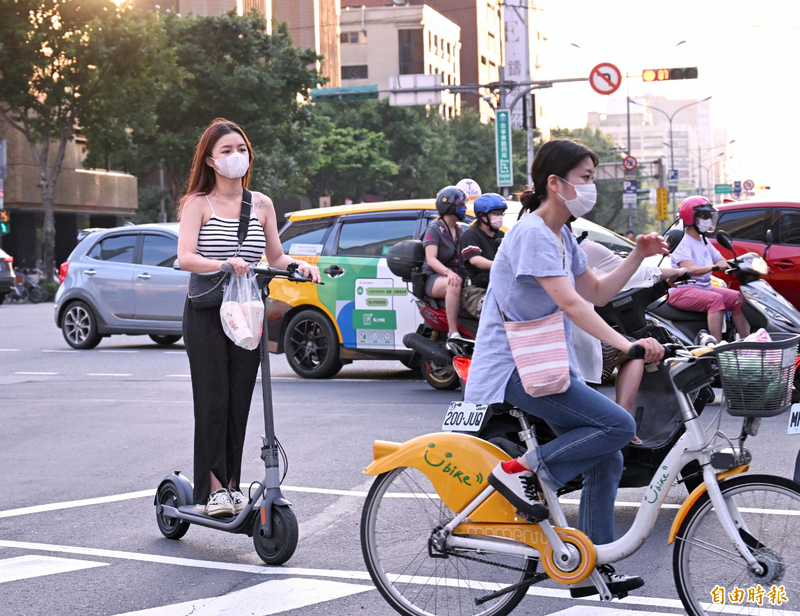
[637, 351]
[290, 273]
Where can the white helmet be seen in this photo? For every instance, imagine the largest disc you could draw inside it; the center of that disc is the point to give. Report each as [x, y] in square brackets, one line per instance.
[470, 187]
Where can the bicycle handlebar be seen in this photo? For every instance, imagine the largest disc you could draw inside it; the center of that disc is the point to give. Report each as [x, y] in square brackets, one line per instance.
[637, 351]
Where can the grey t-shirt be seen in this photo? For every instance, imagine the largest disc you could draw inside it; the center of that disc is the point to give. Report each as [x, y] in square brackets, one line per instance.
[529, 251]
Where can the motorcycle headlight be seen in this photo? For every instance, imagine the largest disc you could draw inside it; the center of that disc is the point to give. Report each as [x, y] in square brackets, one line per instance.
[759, 265]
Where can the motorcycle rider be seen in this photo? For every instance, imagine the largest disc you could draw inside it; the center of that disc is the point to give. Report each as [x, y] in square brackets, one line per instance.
[701, 258]
[441, 253]
[478, 247]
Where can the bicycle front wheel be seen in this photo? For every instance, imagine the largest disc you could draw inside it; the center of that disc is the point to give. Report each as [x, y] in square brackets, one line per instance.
[766, 509]
[401, 513]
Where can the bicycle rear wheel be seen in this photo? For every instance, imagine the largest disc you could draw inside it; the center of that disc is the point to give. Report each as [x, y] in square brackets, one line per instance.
[400, 514]
[767, 509]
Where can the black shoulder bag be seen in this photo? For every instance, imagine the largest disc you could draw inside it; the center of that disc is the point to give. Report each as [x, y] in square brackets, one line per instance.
[206, 290]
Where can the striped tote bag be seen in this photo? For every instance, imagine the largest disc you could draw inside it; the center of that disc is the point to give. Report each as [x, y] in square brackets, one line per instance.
[540, 353]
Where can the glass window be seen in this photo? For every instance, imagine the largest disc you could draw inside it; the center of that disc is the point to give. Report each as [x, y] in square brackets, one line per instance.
[159, 250]
[411, 51]
[374, 238]
[354, 37]
[743, 224]
[355, 72]
[344, 37]
[118, 248]
[790, 227]
[306, 236]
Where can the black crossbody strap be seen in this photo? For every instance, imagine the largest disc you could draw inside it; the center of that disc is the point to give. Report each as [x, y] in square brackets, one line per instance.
[244, 218]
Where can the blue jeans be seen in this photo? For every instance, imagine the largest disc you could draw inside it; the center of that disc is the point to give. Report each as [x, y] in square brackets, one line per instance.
[591, 432]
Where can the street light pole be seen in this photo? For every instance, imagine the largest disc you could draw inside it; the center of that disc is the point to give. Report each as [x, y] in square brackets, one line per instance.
[671, 141]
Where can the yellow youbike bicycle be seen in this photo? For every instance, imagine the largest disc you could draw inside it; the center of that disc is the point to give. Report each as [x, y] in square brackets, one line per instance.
[437, 539]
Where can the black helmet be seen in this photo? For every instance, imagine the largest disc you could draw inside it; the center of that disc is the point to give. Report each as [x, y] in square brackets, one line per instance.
[449, 199]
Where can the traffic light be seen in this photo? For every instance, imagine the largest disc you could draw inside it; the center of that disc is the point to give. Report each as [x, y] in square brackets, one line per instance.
[669, 74]
[5, 222]
[352, 93]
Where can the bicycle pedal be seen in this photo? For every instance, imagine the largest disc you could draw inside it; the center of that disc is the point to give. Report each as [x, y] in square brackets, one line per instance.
[528, 518]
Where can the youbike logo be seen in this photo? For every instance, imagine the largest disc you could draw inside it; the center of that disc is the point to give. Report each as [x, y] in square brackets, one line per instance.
[449, 467]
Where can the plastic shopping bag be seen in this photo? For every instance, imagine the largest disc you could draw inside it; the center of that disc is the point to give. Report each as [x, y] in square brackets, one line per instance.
[242, 311]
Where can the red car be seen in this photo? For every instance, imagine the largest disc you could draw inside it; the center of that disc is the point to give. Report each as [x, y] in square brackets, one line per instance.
[748, 222]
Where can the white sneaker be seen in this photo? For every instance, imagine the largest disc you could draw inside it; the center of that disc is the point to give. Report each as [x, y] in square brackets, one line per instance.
[519, 489]
[616, 583]
[219, 505]
[238, 501]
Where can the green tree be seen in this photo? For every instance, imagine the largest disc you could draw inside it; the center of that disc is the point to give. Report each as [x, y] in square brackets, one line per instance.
[65, 64]
[232, 68]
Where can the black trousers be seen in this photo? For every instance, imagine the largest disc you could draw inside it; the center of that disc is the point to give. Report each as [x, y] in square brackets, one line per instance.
[223, 379]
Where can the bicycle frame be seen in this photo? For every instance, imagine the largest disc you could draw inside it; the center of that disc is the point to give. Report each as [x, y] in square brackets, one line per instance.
[521, 539]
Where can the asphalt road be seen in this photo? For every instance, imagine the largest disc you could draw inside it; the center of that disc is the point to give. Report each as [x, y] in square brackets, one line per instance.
[87, 436]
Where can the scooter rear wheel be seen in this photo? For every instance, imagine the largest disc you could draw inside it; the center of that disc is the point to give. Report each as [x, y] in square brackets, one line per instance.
[171, 528]
[280, 547]
[439, 377]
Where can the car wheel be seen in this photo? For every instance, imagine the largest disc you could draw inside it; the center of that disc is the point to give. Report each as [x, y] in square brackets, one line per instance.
[79, 326]
[311, 345]
[165, 339]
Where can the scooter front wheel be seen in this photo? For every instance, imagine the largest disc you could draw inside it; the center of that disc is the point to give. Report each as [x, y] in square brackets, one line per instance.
[280, 547]
[401, 517]
[171, 528]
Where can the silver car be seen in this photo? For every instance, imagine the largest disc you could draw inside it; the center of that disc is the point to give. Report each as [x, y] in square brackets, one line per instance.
[122, 281]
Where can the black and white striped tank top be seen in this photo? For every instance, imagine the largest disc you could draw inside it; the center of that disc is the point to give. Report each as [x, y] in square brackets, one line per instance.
[218, 239]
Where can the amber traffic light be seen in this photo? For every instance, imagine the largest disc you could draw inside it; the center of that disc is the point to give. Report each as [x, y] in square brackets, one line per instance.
[669, 74]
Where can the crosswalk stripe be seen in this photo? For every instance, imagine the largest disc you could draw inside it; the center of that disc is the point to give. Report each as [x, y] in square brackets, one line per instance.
[33, 565]
[271, 597]
[590, 610]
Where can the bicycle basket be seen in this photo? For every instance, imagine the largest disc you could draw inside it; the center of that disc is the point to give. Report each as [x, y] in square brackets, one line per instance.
[757, 377]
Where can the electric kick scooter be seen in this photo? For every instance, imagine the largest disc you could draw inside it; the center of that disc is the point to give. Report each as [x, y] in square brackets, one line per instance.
[271, 524]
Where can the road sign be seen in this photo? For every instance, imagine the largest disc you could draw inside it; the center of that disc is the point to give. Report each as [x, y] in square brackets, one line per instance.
[629, 194]
[723, 189]
[662, 209]
[605, 78]
[672, 177]
[629, 162]
[737, 188]
[502, 134]
[414, 82]
[352, 93]
[749, 185]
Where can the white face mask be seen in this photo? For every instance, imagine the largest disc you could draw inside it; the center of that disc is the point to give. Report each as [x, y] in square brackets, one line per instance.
[586, 197]
[233, 166]
[495, 221]
[704, 225]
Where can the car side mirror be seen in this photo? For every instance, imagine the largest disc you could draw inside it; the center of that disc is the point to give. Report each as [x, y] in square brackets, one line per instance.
[175, 264]
[725, 240]
[767, 242]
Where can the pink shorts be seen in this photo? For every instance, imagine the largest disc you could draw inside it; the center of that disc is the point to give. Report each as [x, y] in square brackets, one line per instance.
[706, 300]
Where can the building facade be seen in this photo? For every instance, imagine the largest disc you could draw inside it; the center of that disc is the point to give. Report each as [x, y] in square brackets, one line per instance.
[379, 42]
[699, 153]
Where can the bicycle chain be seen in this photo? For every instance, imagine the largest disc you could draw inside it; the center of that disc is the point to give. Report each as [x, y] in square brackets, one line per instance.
[485, 562]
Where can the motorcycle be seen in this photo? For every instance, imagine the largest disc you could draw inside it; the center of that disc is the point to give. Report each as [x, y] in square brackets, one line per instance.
[655, 409]
[26, 289]
[432, 351]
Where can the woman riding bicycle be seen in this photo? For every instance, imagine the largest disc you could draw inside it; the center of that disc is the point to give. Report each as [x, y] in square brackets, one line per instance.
[540, 270]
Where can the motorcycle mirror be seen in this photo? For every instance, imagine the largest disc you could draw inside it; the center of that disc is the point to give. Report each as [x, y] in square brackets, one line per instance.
[673, 237]
[767, 242]
[725, 240]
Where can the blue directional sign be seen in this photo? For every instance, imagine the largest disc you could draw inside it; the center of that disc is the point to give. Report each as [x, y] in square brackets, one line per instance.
[672, 177]
[629, 193]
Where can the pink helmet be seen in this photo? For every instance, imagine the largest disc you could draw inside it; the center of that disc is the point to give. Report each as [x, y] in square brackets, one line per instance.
[693, 205]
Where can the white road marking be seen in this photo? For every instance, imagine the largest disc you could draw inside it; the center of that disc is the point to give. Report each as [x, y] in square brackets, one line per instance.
[110, 351]
[9, 350]
[586, 610]
[59, 351]
[32, 565]
[289, 571]
[175, 352]
[271, 597]
[107, 374]
[188, 376]
[77, 503]
[38, 373]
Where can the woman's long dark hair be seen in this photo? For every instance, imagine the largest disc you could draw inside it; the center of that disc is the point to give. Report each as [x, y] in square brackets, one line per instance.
[202, 178]
[557, 157]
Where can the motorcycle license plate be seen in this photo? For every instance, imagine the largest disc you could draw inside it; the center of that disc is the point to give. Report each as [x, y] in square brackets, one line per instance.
[794, 420]
[464, 417]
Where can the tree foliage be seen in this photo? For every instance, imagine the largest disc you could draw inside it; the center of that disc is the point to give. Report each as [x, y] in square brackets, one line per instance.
[230, 67]
[64, 64]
